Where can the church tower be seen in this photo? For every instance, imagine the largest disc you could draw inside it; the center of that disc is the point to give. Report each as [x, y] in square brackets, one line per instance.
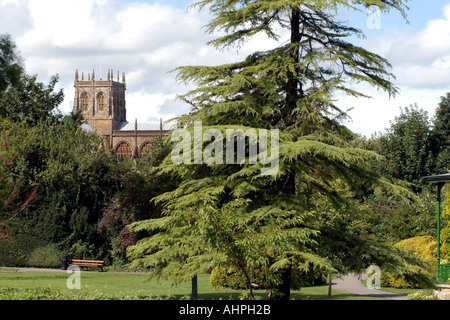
[102, 102]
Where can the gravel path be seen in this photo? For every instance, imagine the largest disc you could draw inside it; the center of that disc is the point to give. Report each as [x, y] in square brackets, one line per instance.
[353, 283]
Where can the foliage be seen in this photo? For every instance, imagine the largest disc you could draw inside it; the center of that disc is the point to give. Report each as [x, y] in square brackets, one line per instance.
[445, 231]
[441, 132]
[48, 256]
[11, 64]
[12, 199]
[113, 226]
[409, 147]
[73, 178]
[423, 295]
[423, 247]
[391, 218]
[231, 277]
[5, 160]
[223, 277]
[133, 202]
[54, 294]
[30, 101]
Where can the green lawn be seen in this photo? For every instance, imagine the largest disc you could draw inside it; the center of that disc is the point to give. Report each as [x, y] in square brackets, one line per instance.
[137, 285]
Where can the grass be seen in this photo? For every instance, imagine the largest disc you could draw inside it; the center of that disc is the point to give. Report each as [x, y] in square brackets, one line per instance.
[138, 284]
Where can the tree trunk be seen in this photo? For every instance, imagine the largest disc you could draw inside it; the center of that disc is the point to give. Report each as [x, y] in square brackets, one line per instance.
[283, 291]
[329, 284]
[292, 85]
[194, 292]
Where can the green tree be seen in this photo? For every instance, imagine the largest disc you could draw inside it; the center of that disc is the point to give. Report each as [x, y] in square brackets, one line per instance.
[22, 97]
[30, 100]
[133, 203]
[408, 147]
[74, 179]
[245, 218]
[5, 189]
[11, 64]
[441, 132]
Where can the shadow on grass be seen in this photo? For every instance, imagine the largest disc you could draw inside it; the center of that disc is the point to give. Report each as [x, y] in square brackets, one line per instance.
[310, 293]
[296, 297]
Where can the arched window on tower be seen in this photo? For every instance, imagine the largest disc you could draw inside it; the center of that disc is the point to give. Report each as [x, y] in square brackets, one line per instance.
[84, 101]
[123, 150]
[100, 101]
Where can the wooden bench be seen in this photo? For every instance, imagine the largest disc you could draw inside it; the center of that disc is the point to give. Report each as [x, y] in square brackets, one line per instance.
[88, 264]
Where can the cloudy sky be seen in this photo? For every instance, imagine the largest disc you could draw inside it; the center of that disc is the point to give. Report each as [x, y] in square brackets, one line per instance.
[147, 38]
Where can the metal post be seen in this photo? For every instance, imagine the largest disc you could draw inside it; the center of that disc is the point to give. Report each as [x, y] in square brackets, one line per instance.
[438, 236]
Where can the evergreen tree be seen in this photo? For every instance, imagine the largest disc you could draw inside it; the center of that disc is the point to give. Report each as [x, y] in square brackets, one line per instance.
[238, 215]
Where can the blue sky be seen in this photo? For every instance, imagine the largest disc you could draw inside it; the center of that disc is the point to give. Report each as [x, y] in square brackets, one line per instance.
[146, 39]
[420, 12]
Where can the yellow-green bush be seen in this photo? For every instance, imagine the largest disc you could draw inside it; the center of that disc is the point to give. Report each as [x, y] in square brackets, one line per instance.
[231, 277]
[389, 280]
[423, 295]
[423, 247]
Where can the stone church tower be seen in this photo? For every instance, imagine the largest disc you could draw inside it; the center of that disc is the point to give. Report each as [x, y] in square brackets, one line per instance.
[103, 106]
[101, 101]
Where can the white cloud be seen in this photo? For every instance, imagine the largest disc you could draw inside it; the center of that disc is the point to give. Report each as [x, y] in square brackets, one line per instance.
[15, 18]
[422, 59]
[374, 115]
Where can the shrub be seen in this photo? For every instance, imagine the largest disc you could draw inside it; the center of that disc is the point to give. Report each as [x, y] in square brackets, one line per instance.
[82, 250]
[231, 277]
[55, 294]
[389, 280]
[423, 247]
[423, 295]
[48, 256]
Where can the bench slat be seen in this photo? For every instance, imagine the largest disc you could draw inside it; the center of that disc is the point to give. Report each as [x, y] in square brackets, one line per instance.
[98, 261]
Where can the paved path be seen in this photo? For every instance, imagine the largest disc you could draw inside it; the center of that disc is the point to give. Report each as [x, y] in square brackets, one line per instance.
[352, 283]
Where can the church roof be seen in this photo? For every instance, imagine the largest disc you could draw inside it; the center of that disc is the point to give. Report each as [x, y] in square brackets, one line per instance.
[144, 126]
